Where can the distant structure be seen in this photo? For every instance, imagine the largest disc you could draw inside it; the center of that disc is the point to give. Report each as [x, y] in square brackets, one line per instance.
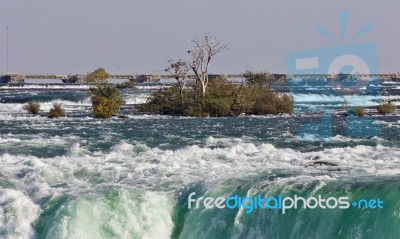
[77, 79]
[280, 76]
[12, 79]
[16, 78]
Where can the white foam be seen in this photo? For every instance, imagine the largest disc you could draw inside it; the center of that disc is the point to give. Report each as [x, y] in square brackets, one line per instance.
[45, 106]
[129, 164]
[356, 100]
[136, 98]
[151, 87]
[16, 111]
[34, 140]
[17, 213]
[136, 167]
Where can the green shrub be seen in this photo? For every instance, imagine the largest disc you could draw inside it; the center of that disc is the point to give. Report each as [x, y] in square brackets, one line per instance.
[165, 101]
[106, 101]
[273, 104]
[387, 108]
[285, 104]
[195, 110]
[218, 107]
[219, 98]
[57, 111]
[32, 107]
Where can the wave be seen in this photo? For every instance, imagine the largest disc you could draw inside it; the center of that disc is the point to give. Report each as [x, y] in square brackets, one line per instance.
[296, 223]
[134, 191]
[7, 109]
[110, 214]
[338, 100]
[136, 98]
[17, 213]
[125, 162]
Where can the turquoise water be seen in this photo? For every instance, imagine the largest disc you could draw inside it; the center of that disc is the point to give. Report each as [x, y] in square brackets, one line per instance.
[81, 177]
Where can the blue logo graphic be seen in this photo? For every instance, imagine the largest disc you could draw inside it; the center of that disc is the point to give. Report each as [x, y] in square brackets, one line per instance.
[281, 203]
[343, 74]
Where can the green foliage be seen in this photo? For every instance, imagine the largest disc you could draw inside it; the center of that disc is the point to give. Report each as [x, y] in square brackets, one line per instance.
[106, 101]
[57, 111]
[387, 108]
[32, 107]
[98, 76]
[165, 101]
[285, 104]
[358, 111]
[219, 98]
[273, 103]
[263, 100]
[222, 98]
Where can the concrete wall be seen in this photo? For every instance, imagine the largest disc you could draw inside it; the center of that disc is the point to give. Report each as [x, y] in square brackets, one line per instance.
[12, 79]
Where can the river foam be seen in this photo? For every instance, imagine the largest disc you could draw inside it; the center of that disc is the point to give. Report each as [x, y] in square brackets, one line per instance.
[134, 186]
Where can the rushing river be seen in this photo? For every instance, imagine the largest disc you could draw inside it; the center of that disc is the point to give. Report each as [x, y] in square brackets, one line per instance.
[82, 177]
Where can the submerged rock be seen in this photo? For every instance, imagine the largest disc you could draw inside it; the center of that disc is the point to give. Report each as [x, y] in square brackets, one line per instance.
[323, 163]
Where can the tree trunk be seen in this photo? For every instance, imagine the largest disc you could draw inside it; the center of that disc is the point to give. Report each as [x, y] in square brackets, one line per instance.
[181, 95]
[203, 89]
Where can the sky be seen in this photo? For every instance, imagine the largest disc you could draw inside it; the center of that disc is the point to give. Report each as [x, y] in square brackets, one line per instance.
[125, 36]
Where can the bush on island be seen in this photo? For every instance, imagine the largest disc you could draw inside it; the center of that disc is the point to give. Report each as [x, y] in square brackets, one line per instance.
[57, 111]
[32, 108]
[106, 101]
[387, 108]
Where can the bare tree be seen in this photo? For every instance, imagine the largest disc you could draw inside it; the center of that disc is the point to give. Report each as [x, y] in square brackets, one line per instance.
[205, 49]
[179, 70]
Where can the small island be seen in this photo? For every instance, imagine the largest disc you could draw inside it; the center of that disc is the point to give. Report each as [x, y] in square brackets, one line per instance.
[205, 96]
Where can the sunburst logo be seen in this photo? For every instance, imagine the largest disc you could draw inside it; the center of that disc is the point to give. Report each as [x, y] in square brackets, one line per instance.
[343, 30]
[325, 68]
